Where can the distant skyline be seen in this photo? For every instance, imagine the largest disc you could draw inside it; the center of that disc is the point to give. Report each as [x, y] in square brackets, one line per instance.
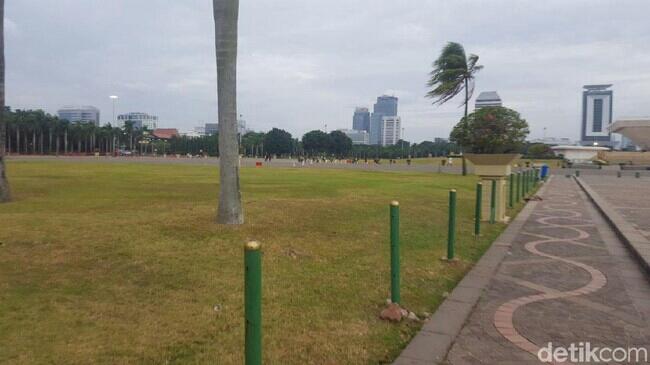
[306, 64]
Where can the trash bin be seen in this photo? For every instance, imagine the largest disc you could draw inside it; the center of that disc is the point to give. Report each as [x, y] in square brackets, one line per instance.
[544, 171]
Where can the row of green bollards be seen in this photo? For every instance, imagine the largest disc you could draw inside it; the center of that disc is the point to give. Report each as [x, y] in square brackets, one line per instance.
[253, 259]
[525, 181]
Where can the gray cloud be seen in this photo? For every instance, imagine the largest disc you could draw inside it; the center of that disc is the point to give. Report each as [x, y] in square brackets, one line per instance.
[304, 64]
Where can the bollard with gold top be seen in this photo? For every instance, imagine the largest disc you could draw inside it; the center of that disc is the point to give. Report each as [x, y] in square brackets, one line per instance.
[253, 302]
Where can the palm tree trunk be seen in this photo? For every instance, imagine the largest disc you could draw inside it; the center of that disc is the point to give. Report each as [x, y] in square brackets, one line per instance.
[65, 142]
[226, 14]
[5, 195]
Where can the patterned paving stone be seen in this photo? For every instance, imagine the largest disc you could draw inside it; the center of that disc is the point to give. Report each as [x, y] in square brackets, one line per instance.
[566, 279]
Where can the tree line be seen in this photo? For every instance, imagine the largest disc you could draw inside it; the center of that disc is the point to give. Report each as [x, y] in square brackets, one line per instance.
[37, 132]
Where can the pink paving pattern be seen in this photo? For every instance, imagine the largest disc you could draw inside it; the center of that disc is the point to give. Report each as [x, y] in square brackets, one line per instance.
[555, 204]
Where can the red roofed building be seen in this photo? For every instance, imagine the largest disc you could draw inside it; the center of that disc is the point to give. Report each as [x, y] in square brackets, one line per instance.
[165, 133]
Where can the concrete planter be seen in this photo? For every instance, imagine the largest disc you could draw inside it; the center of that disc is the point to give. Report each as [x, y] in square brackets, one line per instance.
[497, 168]
[492, 164]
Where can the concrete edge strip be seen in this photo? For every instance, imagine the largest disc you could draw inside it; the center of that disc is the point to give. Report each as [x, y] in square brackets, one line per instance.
[433, 342]
[633, 239]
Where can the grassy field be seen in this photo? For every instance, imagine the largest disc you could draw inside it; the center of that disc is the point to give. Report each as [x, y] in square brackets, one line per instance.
[123, 263]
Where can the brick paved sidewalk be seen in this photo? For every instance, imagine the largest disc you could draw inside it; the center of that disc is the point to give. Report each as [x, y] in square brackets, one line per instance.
[566, 279]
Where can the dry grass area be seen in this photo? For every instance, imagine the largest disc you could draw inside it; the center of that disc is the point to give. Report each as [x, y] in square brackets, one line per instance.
[123, 263]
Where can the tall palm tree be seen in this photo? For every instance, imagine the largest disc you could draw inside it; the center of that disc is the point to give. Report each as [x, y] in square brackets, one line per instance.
[226, 14]
[453, 72]
[4, 183]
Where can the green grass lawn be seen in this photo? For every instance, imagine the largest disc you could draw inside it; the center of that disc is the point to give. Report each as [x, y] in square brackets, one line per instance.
[123, 263]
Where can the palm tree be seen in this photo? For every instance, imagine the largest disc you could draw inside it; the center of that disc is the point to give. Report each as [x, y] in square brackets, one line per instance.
[226, 14]
[453, 73]
[4, 183]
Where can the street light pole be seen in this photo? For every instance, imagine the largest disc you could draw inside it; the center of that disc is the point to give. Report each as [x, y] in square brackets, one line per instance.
[114, 98]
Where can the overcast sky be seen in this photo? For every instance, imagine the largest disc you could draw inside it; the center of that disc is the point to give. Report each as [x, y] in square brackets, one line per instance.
[307, 63]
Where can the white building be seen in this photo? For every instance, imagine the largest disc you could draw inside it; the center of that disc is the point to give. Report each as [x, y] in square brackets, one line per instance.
[357, 136]
[597, 114]
[637, 130]
[79, 114]
[139, 120]
[391, 130]
[213, 128]
[487, 99]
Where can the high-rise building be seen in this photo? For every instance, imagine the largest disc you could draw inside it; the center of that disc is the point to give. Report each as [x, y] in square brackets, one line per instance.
[79, 114]
[213, 128]
[597, 102]
[386, 106]
[361, 119]
[139, 120]
[487, 99]
[357, 136]
[391, 130]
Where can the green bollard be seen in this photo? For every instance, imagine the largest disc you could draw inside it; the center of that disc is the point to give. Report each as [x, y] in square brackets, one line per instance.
[618, 174]
[518, 186]
[577, 173]
[511, 195]
[493, 202]
[451, 234]
[637, 174]
[524, 183]
[394, 253]
[253, 302]
[477, 213]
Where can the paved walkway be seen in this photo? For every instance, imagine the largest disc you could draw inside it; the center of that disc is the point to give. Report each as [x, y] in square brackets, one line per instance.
[629, 196]
[565, 279]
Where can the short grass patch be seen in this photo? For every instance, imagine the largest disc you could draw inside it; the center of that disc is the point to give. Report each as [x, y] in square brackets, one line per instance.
[123, 263]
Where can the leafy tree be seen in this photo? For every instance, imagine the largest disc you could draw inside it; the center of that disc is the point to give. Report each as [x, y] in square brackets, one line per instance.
[277, 142]
[340, 144]
[226, 14]
[491, 130]
[316, 142]
[5, 195]
[453, 72]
